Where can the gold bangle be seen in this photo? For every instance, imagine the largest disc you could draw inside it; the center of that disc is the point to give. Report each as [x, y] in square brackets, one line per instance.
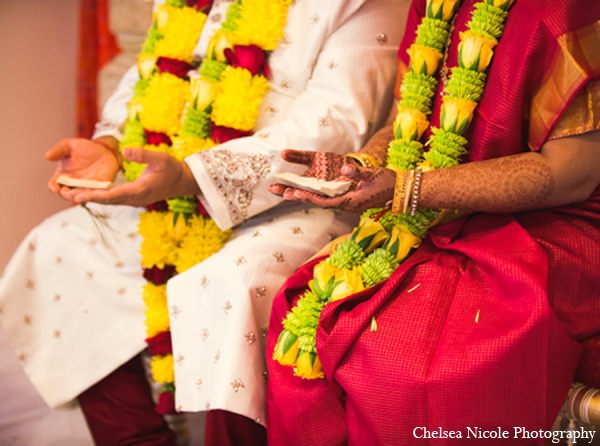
[364, 159]
[408, 191]
[399, 189]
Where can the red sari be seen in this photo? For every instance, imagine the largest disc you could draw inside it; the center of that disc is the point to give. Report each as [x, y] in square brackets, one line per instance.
[482, 325]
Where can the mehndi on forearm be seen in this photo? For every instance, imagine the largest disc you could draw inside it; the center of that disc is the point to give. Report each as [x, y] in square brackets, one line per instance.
[508, 184]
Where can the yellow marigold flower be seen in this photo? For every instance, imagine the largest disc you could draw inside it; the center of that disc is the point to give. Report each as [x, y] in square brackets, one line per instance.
[410, 124]
[217, 44]
[237, 105]
[441, 9]
[351, 283]
[163, 369]
[286, 349]
[261, 23]
[158, 245]
[163, 102]
[475, 52]
[185, 146]
[369, 234]
[203, 239]
[457, 114]
[424, 59]
[146, 64]
[401, 242]
[156, 311]
[181, 28]
[203, 92]
[308, 366]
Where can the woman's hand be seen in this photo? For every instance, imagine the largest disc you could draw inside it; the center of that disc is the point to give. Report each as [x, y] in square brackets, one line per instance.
[164, 177]
[83, 159]
[371, 187]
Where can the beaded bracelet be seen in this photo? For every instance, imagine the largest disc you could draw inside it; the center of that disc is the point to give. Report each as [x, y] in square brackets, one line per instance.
[110, 148]
[414, 204]
[407, 191]
[364, 159]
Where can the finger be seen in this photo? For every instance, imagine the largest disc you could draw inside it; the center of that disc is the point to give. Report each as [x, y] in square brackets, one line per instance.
[142, 156]
[298, 156]
[53, 185]
[318, 200]
[277, 189]
[348, 170]
[129, 194]
[58, 152]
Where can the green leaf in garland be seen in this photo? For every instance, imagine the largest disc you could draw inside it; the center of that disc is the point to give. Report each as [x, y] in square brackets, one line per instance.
[211, 69]
[433, 33]
[183, 205]
[403, 154]
[234, 13]
[196, 123]
[378, 267]
[346, 255]
[466, 84]
[153, 36]
[140, 87]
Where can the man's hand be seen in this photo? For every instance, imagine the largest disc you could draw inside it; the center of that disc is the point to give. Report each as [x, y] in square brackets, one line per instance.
[81, 158]
[164, 177]
[371, 187]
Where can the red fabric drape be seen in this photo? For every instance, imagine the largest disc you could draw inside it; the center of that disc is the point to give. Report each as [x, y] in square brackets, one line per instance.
[478, 326]
[97, 46]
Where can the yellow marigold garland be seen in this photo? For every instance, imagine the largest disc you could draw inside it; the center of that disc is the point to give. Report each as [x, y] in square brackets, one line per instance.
[172, 111]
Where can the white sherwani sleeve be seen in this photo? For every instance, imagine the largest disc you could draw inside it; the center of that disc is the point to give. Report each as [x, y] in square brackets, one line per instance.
[327, 94]
[114, 112]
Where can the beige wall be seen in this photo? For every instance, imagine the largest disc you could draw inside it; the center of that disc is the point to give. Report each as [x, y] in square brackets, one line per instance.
[38, 45]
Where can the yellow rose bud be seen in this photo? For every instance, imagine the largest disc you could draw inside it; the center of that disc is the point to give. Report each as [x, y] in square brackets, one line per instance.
[178, 227]
[369, 235]
[401, 241]
[308, 366]
[286, 349]
[410, 124]
[351, 284]
[424, 59]
[502, 4]
[203, 92]
[441, 9]
[133, 109]
[457, 114]
[162, 16]
[146, 64]
[475, 52]
[325, 279]
[216, 45]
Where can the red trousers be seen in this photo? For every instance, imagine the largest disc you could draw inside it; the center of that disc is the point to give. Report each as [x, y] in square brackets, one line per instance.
[119, 411]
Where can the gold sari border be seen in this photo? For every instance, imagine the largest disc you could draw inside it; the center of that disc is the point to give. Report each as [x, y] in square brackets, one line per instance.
[577, 61]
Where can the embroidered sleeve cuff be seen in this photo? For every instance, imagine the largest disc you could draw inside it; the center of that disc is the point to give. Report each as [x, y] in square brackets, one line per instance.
[210, 197]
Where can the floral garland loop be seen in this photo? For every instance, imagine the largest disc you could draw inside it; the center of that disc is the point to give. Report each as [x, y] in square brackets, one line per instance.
[382, 240]
[181, 109]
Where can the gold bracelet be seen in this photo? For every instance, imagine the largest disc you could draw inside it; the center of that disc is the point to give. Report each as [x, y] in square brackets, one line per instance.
[364, 159]
[399, 189]
[408, 191]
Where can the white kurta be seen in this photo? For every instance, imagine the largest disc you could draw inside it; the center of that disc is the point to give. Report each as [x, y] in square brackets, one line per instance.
[71, 303]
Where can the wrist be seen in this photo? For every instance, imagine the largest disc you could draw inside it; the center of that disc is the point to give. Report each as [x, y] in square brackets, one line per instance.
[187, 183]
[111, 148]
